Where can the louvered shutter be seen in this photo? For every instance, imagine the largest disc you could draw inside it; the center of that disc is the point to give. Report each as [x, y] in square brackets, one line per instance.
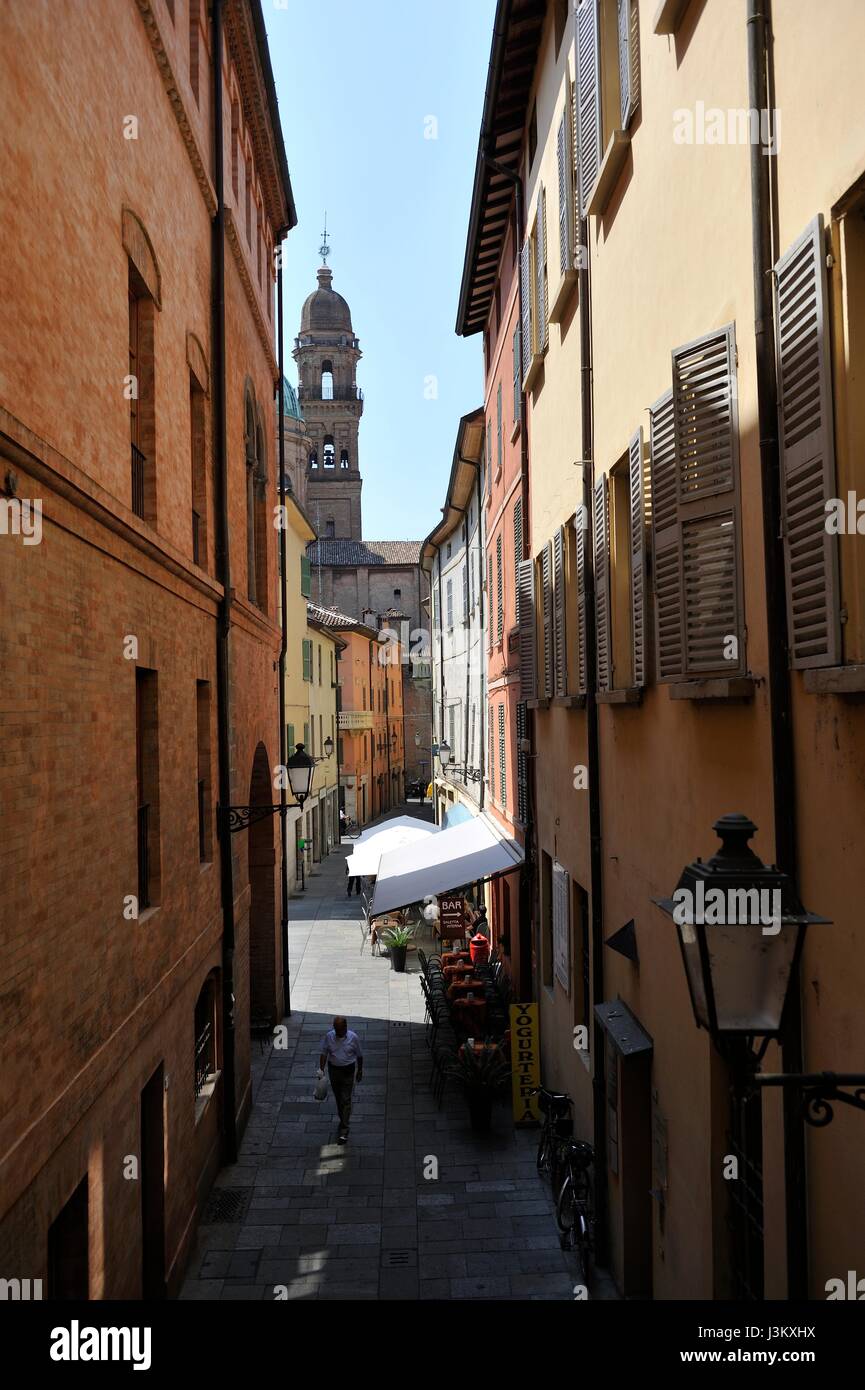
[707, 467]
[564, 204]
[601, 518]
[541, 327]
[582, 660]
[638, 557]
[573, 178]
[466, 590]
[518, 550]
[499, 430]
[517, 373]
[492, 752]
[522, 776]
[588, 100]
[629, 69]
[807, 451]
[547, 600]
[666, 536]
[503, 773]
[526, 306]
[500, 593]
[526, 581]
[560, 630]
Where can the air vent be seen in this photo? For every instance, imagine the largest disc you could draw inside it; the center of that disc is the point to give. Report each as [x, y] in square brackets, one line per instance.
[396, 1259]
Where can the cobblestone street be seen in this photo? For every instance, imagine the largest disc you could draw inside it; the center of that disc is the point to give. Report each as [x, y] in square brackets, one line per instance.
[362, 1222]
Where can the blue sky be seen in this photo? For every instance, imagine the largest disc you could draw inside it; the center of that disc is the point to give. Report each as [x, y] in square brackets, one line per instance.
[356, 80]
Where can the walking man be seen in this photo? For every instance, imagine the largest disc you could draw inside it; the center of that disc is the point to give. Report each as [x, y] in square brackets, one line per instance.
[352, 881]
[342, 1051]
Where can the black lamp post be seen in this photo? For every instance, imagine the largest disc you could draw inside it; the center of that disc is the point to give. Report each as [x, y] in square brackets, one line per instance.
[300, 768]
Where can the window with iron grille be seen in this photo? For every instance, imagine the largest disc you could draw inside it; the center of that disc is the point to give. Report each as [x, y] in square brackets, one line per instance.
[503, 777]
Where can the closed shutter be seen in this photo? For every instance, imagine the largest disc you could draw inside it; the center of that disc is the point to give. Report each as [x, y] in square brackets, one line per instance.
[518, 551]
[307, 659]
[466, 590]
[305, 576]
[707, 467]
[666, 537]
[526, 582]
[564, 163]
[807, 451]
[559, 628]
[581, 548]
[573, 177]
[503, 774]
[500, 595]
[492, 752]
[629, 59]
[542, 327]
[499, 430]
[588, 101]
[517, 375]
[638, 557]
[489, 457]
[491, 627]
[289, 738]
[601, 518]
[526, 306]
[547, 600]
[522, 766]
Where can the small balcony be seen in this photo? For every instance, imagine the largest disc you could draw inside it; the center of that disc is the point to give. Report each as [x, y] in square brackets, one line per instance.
[354, 719]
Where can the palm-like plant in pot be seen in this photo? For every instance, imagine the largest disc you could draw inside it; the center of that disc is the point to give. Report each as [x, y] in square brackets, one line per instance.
[483, 1074]
[397, 940]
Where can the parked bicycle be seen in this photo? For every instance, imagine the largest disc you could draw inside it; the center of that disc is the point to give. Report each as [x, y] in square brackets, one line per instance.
[574, 1206]
[558, 1125]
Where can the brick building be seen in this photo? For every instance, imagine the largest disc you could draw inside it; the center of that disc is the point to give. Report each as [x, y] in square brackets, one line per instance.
[138, 683]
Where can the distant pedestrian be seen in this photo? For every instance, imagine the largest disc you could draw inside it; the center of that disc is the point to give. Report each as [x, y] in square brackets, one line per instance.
[342, 1052]
[352, 881]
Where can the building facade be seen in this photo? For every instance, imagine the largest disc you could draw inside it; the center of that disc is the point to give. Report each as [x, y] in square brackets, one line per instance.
[371, 740]
[137, 687]
[691, 423]
[321, 811]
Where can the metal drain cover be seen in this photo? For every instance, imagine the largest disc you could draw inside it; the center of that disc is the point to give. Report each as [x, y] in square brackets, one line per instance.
[396, 1259]
[226, 1204]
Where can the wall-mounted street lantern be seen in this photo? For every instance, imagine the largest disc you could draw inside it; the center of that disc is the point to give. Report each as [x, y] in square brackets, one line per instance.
[328, 746]
[444, 752]
[741, 929]
[300, 768]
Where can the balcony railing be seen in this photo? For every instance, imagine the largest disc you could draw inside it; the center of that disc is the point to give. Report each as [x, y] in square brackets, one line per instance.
[143, 857]
[138, 466]
[329, 393]
[354, 719]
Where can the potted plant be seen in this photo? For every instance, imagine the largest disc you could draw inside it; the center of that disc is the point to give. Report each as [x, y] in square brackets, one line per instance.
[482, 1075]
[397, 941]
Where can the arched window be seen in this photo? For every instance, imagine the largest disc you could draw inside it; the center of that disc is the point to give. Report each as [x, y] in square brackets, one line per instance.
[327, 380]
[330, 528]
[249, 442]
[313, 459]
[328, 451]
[343, 458]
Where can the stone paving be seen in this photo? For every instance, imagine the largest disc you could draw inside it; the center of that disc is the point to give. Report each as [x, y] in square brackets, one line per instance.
[363, 1222]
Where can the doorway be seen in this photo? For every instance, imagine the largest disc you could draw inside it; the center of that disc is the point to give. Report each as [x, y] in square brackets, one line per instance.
[68, 1253]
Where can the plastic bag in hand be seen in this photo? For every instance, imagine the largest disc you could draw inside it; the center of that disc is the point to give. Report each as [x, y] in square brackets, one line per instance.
[320, 1092]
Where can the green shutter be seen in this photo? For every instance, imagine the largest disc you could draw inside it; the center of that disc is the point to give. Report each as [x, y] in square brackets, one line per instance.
[307, 659]
[290, 739]
[305, 576]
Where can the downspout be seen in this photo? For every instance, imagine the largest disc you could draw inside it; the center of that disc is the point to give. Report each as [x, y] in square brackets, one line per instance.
[596, 876]
[284, 753]
[760, 96]
[223, 628]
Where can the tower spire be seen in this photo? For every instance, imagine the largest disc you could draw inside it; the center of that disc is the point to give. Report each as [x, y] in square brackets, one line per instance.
[324, 249]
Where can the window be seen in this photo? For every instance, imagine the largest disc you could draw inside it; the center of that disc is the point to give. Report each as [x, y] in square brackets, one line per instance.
[500, 620]
[517, 374]
[328, 452]
[560, 629]
[327, 380]
[251, 467]
[313, 459]
[499, 430]
[489, 459]
[581, 957]
[289, 738]
[68, 1248]
[258, 242]
[518, 553]
[699, 621]
[202, 711]
[307, 659]
[490, 599]
[503, 782]
[491, 755]
[319, 662]
[561, 22]
[343, 459]
[452, 724]
[526, 609]
[450, 604]
[567, 219]
[466, 592]
[147, 776]
[330, 528]
[545, 563]
[235, 137]
[262, 531]
[305, 576]
[197, 418]
[397, 595]
[561, 886]
[248, 210]
[522, 766]
[142, 418]
[546, 922]
[609, 93]
[205, 1034]
[533, 134]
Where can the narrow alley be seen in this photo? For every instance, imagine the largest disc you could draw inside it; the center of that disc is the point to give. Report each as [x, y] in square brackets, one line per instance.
[301, 1217]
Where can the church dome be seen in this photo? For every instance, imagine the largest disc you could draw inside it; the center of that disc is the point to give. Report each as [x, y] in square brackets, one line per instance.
[292, 404]
[325, 310]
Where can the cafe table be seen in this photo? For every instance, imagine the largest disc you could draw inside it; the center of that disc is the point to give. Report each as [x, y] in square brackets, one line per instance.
[458, 971]
[470, 1014]
[455, 957]
[467, 985]
[480, 1048]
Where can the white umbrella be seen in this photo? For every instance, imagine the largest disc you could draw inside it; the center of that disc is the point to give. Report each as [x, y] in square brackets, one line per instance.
[393, 835]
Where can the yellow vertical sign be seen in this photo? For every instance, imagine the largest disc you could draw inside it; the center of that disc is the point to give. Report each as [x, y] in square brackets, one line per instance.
[525, 1062]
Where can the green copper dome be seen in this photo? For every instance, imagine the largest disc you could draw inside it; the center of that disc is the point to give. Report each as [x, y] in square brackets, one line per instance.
[292, 404]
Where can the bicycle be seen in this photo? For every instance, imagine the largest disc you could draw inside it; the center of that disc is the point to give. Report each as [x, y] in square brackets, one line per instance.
[558, 1125]
[574, 1206]
[351, 829]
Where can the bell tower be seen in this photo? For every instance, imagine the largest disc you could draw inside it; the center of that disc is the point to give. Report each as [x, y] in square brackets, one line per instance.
[327, 353]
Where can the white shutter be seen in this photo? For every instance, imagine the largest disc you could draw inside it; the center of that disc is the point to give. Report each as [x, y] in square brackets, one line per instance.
[560, 631]
[566, 222]
[526, 581]
[629, 67]
[601, 509]
[638, 558]
[541, 327]
[547, 597]
[526, 306]
[588, 100]
[807, 451]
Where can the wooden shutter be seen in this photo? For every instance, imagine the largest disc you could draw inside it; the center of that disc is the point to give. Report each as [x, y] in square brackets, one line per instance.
[500, 612]
[518, 551]
[526, 583]
[517, 373]
[638, 558]
[547, 598]
[707, 467]
[573, 176]
[307, 659]
[629, 67]
[666, 542]
[526, 306]
[522, 765]
[589, 150]
[565, 216]
[560, 630]
[305, 576]
[466, 590]
[503, 774]
[541, 327]
[601, 518]
[807, 451]
[492, 752]
[289, 738]
[499, 430]
[581, 547]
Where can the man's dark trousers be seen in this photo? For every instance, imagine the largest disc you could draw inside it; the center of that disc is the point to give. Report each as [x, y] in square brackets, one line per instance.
[342, 1082]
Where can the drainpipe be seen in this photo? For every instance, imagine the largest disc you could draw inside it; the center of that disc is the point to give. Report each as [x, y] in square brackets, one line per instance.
[223, 627]
[596, 876]
[761, 95]
[284, 752]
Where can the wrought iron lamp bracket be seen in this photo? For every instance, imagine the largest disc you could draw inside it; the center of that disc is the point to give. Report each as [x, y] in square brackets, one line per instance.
[819, 1091]
[240, 817]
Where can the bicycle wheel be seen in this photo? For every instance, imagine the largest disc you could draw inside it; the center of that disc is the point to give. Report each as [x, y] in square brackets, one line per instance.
[566, 1206]
[545, 1152]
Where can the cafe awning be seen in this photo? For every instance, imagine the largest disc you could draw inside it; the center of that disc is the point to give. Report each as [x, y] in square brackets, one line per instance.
[477, 849]
[391, 835]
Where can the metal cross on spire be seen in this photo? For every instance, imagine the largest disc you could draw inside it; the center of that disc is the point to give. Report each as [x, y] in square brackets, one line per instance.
[324, 248]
